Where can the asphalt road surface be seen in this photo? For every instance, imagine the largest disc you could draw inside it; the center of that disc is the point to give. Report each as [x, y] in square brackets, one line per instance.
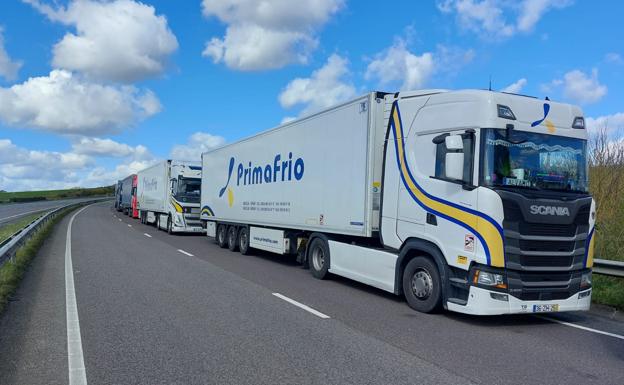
[12, 211]
[160, 309]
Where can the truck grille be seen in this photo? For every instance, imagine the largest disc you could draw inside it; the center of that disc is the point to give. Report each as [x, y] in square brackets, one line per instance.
[543, 286]
[544, 243]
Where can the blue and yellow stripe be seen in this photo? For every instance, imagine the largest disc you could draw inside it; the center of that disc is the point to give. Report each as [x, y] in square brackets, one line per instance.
[589, 249]
[486, 229]
[207, 211]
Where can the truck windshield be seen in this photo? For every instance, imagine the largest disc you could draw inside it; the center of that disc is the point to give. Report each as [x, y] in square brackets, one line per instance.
[533, 161]
[189, 189]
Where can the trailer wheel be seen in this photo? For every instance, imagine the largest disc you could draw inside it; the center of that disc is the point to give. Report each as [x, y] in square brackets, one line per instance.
[169, 225]
[157, 223]
[222, 236]
[243, 240]
[232, 238]
[318, 256]
[422, 285]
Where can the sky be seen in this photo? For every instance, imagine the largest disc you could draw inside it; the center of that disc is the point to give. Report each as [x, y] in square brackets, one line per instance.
[94, 90]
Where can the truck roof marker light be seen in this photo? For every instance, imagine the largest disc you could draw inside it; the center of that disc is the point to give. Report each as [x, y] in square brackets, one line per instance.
[579, 123]
[505, 112]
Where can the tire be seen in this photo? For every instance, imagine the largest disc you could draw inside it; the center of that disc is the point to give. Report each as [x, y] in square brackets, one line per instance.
[318, 258]
[222, 236]
[157, 221]
[169, 225]
[243, 240]
[232, 238]
[422, 285]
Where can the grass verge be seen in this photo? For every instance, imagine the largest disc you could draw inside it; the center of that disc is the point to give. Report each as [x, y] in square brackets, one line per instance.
[608, 291]
[11, 228]
[26, 196]
[11, 273]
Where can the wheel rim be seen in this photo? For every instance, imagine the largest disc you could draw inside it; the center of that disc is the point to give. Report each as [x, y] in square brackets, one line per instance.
[243, 239]
[231, 237]
[221, 235]
[422, 284]
[318, 259]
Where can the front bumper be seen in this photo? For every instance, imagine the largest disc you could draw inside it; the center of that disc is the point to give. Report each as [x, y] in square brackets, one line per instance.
[480, 302]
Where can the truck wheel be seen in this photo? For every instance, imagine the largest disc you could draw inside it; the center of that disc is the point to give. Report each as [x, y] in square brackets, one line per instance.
[157, 221]
[169, 225]
[421, 285]
[318, 258]
[243, 240]
[232, 238]
[222, 236]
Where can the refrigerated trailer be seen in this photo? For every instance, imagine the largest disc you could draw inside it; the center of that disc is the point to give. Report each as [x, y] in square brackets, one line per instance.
[127, 195]
[475, 201]
[168, 196]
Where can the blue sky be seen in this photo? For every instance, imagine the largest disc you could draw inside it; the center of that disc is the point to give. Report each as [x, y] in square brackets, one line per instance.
[93, 90]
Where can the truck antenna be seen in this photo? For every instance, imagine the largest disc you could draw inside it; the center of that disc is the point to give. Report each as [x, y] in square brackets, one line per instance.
[490, 87]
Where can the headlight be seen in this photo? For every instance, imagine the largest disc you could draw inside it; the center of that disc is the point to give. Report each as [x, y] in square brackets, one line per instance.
[489, 279]
[586, 280]
[178, 219]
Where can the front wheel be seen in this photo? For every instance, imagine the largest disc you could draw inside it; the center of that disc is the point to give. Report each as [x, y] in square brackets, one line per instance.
[318, 257]
[169, 225]
[422, 285]
[243, 240]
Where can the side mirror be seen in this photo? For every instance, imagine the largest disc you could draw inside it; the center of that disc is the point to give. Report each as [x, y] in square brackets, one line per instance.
[454, 162]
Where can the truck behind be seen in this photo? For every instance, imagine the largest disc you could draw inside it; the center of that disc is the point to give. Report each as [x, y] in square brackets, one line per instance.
[168, 196]
[475, 201]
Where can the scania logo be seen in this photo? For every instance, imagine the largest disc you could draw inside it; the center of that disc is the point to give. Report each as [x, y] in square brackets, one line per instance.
[550, 210]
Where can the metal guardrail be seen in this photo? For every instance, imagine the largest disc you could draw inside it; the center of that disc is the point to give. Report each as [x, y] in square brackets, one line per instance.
[610, 268]
[9, 246]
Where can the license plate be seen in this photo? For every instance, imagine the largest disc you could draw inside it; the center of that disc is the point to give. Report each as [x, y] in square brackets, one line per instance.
[545, 308]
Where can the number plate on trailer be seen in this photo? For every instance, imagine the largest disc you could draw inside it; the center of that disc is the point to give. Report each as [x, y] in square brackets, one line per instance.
[545, 308]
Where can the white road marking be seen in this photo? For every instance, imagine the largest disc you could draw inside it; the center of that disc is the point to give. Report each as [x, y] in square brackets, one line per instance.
[302, 306]
[26, 213]
[119, 219]
[185, 253]
[129, 225]
[75, 359]
[582, 327]
[147, 235]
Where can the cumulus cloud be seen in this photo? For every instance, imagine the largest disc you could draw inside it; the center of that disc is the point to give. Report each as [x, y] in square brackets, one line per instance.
[121, 40]
[263, 35]
[25, 167]
[613, 124]
[498, 18]
[397, 64]
[516, 87]
[65, 103]
[579, 87]
[109, 148]
[326, 86]
[8, 67]
[197, 143]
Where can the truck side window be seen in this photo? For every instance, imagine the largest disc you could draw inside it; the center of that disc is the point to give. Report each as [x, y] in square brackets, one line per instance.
[440, 163]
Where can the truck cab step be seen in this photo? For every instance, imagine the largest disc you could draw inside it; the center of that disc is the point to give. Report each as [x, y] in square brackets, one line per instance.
[458, 301]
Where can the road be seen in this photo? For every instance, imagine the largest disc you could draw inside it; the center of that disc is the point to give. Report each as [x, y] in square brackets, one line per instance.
[12, 211]
[160, 309]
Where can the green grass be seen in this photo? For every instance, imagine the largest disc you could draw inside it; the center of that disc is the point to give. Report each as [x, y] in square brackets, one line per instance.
[24, 196]
[11, 228]
[12, 272]
[608, 291]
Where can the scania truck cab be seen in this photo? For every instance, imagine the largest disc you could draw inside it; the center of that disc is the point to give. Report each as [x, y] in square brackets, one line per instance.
[493, 188]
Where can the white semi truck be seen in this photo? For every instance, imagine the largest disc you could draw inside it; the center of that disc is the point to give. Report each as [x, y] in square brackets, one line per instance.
[168, 196]
[475, 201]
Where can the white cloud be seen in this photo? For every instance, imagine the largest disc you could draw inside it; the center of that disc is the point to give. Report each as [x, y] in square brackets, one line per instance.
[326, 87]
[8, 67]
[121, 40]
[498, 19]
[197, 144]
[397, 64]
[614, 58]
[64, 103]
[579, 87]
[109, 148]
[29, 166]
[516, 87]
[264, 35]
[614, 123]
